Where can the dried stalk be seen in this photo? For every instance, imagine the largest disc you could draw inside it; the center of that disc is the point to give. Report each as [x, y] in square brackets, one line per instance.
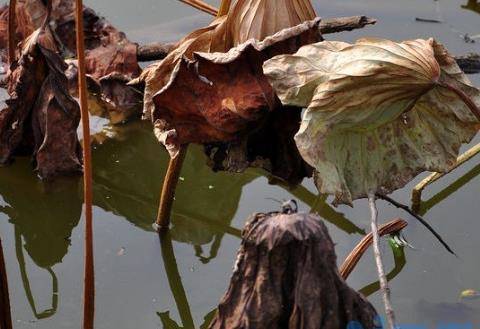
[11, 31]
[168, 189]
[378, 259]
[5, 315]
[202, 6]
[354, 257]
[89, 276]
[417, 190]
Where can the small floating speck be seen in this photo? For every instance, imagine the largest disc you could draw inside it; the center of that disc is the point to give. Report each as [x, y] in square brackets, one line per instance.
[121, 251]
[182, 178]
[211, 187]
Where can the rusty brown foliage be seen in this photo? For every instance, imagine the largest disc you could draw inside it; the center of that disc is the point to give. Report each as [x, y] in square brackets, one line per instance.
[286, 277]
[111, 59]
[41, 118]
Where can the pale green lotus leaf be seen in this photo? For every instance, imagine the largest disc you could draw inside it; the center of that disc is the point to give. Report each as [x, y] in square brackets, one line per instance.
[378, 112]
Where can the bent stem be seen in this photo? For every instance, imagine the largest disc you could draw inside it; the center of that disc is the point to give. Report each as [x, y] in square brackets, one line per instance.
[378, 260]
[354, 257]
[5, 315]
[418, 189]
[168, 189]
[89, 277]
[11, 31]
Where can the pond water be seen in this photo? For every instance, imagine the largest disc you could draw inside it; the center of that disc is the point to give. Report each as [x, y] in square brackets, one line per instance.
[142, 282]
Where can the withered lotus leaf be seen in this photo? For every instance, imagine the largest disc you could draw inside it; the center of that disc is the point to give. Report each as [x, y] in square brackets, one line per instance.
[216, 96]
[211, 89]
[378, 112]
[41, 117]
[111, 59]
[258, 19]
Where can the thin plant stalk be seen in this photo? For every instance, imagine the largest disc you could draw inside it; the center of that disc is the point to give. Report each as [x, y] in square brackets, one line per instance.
[89, 283]
[356, 254]
[390, 315]
[417, 190]
[11, 31]
[170, 182]
[202, 6]
[5, 313]
[172, 175]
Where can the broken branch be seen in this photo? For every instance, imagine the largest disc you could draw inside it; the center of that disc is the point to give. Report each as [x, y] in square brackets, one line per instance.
[419, 218]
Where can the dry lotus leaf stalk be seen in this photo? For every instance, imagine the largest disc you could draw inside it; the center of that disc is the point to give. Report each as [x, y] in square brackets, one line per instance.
[41, 117]
[378, 112]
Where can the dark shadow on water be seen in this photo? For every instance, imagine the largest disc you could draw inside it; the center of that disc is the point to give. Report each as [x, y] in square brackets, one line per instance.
[177, 289]
[128, 178]
[43, 216]
[473, 5]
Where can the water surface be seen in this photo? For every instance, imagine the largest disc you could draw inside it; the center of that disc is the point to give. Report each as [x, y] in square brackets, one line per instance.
[143, 282]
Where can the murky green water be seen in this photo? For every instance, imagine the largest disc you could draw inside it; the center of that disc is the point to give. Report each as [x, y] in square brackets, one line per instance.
[143, 285]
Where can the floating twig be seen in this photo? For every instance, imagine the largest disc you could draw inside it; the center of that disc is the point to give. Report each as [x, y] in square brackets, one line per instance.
[356, 254]
[419, 218]
[158, 50]
[427, 20]
[89, 274]
[390, 314]
[417, 190]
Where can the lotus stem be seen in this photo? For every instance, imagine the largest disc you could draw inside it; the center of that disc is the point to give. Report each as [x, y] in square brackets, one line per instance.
[202, 6]
[168, 189]
[390, 314]
[11, 31]
[5, 315]
[418, 189]
[354, 257]
[89, 275]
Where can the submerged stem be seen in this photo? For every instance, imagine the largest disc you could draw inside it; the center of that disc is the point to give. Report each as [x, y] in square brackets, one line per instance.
[89, 275]
[378, 260]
